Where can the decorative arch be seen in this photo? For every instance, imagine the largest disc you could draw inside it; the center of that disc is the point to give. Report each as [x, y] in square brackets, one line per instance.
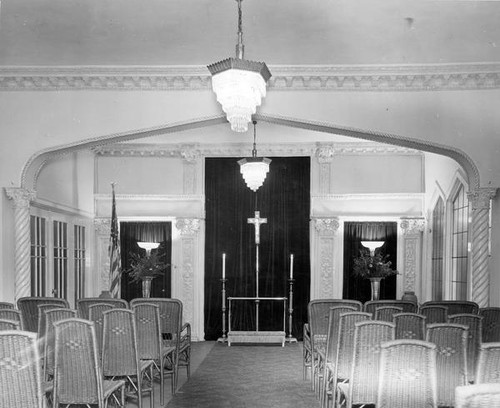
[34, 165]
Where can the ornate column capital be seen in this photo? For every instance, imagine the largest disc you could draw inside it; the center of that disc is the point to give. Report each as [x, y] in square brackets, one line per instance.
[325, 154]
[21, 197]
[326, 226]
[188, 226]
[102, 225]
[412, 225]
[480, 197]
[190, 153]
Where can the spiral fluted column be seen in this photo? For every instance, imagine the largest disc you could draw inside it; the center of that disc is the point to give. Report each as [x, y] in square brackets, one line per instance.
[479, 200]
[21, 199]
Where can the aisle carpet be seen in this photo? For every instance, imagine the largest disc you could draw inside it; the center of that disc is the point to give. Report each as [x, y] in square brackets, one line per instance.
[248, 376]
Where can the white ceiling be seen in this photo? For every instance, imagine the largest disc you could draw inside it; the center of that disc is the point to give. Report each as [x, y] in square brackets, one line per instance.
[291, 32]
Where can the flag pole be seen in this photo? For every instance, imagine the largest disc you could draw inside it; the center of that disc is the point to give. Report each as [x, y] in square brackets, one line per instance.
[114, 251]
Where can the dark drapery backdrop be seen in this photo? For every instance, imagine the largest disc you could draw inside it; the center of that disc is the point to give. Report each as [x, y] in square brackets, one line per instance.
[130, 234]
[284, 201]
[355, 232]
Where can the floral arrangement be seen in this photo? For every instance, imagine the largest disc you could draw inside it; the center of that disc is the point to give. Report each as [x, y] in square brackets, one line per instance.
[145, 266]
[373, 266]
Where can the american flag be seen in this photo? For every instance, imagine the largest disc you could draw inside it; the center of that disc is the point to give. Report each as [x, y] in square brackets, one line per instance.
[114, 252]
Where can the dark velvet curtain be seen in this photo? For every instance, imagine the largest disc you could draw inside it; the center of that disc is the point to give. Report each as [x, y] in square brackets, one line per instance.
[355, 232]
[284, 201]
[130, 234]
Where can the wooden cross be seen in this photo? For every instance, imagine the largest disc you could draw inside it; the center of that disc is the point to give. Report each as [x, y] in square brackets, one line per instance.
[257, 221]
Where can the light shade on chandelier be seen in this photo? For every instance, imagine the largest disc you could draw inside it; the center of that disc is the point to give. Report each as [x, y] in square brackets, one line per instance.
[254, 169]
[239, 84]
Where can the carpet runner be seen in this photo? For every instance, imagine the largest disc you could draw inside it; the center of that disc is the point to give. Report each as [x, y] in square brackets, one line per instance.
[248, 376]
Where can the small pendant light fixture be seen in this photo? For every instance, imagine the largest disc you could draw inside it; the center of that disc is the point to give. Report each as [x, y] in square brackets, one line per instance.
[254, 169]
[239, 84]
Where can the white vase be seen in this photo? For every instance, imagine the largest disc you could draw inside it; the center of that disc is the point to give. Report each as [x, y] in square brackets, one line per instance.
[375, 285]
[146, 287]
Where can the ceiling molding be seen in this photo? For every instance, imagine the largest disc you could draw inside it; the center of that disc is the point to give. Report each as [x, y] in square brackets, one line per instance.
[418, 77]
[241, 149]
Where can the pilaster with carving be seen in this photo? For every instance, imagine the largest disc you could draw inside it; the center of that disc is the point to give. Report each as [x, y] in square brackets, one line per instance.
[21, 199]
[102, 228]
[479, 200]
[413, 229]
[191, 157]
[325, 231]
[188, 228]
[325, 154]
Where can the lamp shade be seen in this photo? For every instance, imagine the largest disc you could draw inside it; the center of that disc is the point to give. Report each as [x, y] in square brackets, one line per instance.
[254, 171]
[372, 245]
[239, 85]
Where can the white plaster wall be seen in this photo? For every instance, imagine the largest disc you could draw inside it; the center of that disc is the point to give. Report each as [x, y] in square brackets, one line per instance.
[495, 254]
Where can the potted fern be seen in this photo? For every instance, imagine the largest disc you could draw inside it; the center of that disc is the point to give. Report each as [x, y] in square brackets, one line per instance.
[144, 268]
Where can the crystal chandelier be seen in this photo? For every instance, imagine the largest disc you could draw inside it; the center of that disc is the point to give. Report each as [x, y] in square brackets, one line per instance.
[239, 84]
[254, 169]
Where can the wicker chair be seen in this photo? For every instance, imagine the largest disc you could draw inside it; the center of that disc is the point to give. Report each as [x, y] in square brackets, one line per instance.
[12, 314]
[83, 304]
[491, 324]
[455, 306]
[473, 322]
[434, 313]
[327, 352]
[29, 309]
[386, 313]
[6, 324]
[149, 342]
[372, 305]
[120, 358]
[362, 387]
[451, 359]
[7, 305]
[488, 364]
[319, 308]
[77, 374]
[52, 316]
[407, 376]
[20, 374]
[174, 332]
[96, 315]
[477, 396]
[409, 326]
[339, 370]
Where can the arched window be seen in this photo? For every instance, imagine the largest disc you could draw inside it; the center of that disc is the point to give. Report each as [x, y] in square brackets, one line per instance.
[459, 245]
[438, 249]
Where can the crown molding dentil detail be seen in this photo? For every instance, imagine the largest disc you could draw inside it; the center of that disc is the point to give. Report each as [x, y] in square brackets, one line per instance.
[417, 77]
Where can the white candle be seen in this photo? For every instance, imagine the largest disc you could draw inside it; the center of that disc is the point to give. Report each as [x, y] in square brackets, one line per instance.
[291, 266]
[223, 266]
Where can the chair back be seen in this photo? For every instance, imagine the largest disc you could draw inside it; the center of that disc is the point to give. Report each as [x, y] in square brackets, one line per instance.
[455, 306]
[333, 331]
[76, 372]
[96, 315]
[147, 320]
[83, 304]
[451, 359]
[20, 374]
[408, 306]
[407, 376]
[434, 313]
[386, 313]
[7, 305]
[29, 309]
[488, 365]
[52, 316]
[6, 324]
[170, 313]
[473, 322]
[409, 326]
[363, 379]
[119, 347]
[477, 396]
[12, 314]
[491, 324]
